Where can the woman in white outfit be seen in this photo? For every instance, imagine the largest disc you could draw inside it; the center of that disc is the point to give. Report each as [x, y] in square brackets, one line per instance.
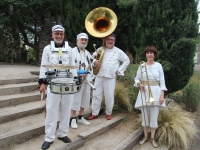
[150, 73]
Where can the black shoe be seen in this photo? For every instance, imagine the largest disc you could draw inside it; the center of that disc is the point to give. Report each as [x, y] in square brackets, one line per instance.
[46, 145]
[65, 139]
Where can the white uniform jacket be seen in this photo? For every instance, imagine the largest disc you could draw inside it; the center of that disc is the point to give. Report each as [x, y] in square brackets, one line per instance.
[82, 57]
[111, 62]
[51, 57]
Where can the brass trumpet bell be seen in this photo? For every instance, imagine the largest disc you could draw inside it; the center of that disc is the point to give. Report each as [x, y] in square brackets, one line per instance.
[101, 22]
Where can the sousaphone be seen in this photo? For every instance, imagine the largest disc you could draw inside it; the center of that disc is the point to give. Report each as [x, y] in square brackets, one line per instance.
[100, 22]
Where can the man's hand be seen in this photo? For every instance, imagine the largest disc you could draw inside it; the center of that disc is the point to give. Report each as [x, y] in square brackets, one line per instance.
[117, 72]
[42, 88]
[97, 63]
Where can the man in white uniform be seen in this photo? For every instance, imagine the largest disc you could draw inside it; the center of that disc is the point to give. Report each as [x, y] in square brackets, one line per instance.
[106, 78]
[56, 102]
[82, 99]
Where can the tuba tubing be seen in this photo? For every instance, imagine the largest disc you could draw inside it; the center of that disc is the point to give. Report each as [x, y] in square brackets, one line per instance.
[100, 22]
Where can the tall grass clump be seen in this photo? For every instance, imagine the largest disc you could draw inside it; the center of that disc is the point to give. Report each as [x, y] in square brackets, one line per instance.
[125, 92]
[122, 98]
[176, 128]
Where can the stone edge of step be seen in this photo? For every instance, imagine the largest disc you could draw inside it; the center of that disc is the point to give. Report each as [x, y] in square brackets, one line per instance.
[92, 133]
[18, 80]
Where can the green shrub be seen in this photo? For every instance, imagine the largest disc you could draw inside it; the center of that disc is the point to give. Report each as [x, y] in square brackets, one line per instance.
[31, 56]
[191, 95]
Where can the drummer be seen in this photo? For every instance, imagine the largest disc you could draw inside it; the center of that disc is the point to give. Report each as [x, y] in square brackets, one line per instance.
[56, 102]
[81, 100]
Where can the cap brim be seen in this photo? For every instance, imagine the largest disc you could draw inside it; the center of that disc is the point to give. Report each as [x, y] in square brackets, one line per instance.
[58, 30]
[83, 37]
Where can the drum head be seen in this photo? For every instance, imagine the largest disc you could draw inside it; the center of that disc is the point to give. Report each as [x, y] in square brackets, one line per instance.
[62, 80]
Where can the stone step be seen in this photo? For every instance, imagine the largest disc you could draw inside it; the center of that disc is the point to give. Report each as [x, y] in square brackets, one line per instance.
[16, 99]
[97, 127]
[18, 111]
[112, 139]
[24, 129]
[12, 89]
[18, 80]
[132, 140]
[21, 130]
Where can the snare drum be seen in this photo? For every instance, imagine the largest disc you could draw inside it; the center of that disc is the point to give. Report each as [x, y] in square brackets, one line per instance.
[64, 86]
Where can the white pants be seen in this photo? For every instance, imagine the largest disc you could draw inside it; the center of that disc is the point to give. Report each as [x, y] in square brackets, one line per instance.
[106, 87]
[150, 114]
[82, 98]
[55, 103]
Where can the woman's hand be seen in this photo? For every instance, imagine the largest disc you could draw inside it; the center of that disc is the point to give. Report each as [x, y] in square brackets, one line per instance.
[141, 87]
[161, 99]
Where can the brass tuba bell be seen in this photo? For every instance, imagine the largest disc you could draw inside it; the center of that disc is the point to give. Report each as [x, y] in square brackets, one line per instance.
[100, 22]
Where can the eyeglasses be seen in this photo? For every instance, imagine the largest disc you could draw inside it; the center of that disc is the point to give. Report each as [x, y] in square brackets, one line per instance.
[57, 34]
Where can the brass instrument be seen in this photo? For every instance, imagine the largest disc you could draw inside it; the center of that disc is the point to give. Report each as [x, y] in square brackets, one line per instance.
[150, 98]
[100, 22]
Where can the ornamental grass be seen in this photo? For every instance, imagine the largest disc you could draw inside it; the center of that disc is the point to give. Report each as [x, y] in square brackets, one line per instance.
[122, 100]
[176, 127]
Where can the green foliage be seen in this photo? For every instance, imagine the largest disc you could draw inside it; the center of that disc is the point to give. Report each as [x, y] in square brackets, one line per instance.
[171, 26]
[31, 56]
[189, 96]
[176, 128]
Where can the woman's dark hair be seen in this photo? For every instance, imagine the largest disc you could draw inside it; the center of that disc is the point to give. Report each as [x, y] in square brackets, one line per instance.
[150, 49]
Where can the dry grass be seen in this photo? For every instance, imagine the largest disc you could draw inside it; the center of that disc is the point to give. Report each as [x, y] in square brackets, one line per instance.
[121, 97]
[176, 128]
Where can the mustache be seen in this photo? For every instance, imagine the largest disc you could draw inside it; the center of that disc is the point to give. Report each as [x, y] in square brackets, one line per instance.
[81, 45]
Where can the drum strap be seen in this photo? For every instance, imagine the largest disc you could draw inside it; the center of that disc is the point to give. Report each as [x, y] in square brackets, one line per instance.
[88, 62]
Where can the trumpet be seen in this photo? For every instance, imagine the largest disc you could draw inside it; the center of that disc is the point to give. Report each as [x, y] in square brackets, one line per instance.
[150, 97]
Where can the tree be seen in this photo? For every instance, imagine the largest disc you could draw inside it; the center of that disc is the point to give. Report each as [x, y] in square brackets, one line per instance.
[171, 26]
[30, 17]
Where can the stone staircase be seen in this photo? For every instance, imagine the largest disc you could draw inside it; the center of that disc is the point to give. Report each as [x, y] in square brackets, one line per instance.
[22, 123]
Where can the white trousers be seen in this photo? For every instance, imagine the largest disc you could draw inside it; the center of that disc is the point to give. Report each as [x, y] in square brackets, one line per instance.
[150, 115]
[106, 87]
[82, 98]
[57, 103]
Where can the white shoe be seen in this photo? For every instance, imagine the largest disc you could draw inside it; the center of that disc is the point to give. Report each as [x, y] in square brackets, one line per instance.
[74, 124]
[83, 121]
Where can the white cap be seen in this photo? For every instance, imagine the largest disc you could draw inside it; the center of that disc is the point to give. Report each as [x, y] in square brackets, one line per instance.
[58, 28]
[82, 35]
